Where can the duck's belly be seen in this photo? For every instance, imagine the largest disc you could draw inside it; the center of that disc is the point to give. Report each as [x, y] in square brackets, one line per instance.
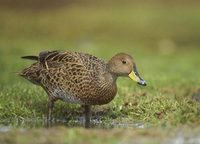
[66, 97]
[100, 97]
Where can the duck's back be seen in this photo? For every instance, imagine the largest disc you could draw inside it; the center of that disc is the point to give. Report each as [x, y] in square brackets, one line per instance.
[70, 76]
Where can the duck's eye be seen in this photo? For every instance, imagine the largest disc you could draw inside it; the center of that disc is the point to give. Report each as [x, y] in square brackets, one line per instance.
[123, 61]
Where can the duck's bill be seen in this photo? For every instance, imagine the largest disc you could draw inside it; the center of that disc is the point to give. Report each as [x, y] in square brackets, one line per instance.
[135, 77]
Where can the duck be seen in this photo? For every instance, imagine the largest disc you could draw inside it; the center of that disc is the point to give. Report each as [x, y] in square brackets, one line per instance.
[79, 78]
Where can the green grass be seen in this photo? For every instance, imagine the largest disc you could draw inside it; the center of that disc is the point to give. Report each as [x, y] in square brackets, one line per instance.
[164, 40]
[167, 100]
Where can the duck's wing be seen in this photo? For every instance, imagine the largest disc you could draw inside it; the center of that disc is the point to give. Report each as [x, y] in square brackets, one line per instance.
[67, 61]
[57, 59]
[52, 59]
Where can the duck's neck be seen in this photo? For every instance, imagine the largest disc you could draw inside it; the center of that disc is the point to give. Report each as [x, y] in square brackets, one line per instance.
[109, 78]
[109, 75]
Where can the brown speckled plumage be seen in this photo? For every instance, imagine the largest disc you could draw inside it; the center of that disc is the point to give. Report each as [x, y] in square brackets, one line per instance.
[77, 77]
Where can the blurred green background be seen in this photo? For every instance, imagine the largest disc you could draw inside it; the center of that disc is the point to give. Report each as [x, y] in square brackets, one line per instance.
[141, 28]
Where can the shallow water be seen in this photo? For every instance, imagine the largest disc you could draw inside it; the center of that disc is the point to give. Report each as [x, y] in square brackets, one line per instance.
[8, 125]
[4, 129]
[182, 139]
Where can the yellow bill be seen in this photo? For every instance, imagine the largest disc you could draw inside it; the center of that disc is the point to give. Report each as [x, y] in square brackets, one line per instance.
[137, 78]
[134, 77]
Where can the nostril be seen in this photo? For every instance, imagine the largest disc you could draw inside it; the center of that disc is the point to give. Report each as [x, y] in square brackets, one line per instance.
[123, 61]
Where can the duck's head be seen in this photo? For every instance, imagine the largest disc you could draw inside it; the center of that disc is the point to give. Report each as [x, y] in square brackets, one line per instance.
[123, 65]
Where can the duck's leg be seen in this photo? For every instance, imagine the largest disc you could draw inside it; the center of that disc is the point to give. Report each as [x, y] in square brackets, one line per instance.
[87, 116]
[50, 109]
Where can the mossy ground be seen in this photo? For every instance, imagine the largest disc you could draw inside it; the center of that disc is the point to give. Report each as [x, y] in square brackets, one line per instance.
[164, 40]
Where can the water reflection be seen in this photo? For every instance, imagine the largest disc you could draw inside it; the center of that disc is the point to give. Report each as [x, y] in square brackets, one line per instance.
[7, 125]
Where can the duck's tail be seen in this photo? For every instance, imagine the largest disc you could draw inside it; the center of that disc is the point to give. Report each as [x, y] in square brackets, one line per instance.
[30, 57]
[32, 72]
